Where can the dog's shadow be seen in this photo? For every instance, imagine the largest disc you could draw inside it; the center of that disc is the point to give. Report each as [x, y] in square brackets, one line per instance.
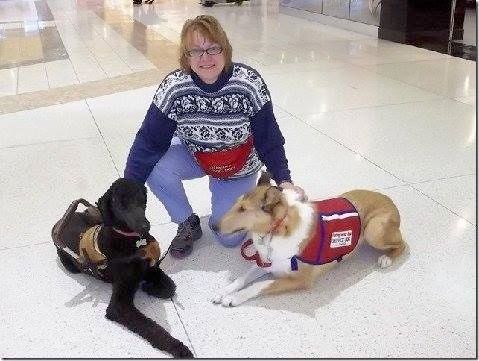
[94, 291]
[97, 292]
[209, 256]
[329, 286]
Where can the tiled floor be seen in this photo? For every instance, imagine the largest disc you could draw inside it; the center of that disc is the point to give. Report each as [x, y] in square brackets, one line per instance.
[356, 112]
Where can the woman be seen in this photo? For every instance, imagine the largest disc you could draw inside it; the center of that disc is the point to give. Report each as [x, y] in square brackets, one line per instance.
[211, 117]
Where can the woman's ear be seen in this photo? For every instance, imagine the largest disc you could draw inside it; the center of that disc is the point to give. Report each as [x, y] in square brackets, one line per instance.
[264, 179]
[104, 206]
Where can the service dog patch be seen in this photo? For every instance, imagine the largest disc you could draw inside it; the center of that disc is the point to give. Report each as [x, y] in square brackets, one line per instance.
[341, 239]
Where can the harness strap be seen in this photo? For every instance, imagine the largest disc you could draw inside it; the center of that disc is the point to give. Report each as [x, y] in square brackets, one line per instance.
[89, 246]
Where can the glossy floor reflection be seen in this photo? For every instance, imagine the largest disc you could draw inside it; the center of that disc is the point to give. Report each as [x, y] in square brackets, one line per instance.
[356, 112]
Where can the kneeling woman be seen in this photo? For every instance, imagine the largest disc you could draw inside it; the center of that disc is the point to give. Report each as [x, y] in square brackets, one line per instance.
[211, 117]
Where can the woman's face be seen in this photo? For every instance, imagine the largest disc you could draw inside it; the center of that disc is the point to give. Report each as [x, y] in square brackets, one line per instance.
[207, 66]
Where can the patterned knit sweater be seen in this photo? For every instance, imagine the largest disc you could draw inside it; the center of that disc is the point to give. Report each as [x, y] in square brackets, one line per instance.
[211, 117]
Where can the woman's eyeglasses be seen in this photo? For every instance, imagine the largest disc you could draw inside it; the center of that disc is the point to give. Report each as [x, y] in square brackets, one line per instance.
[196, 53]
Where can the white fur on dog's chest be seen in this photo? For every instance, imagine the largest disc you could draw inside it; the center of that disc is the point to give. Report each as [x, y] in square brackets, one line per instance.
[279, 249]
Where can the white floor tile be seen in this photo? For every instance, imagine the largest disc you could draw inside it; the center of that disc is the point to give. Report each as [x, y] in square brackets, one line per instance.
[60, 73]
[53, 123]
[415, 141]
[8, 81]
[471, 100]
[32, 78]
[315, 166]
[340, 89]
[120, 113]
[43, 179]
[450, 77]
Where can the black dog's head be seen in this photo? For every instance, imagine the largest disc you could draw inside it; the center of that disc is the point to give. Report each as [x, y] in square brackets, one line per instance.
[124, 205]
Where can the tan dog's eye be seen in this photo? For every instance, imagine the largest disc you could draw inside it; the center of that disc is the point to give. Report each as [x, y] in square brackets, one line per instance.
[241, 209]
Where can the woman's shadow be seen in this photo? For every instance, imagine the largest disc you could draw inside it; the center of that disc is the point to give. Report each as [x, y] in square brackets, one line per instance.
[209, 256]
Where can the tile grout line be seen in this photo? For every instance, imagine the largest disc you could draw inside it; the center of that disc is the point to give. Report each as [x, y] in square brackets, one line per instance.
[102, 137]
[183, 325]
[107, 43]
[348, 148]
[442, 205]
[77, 30]
[46, 75]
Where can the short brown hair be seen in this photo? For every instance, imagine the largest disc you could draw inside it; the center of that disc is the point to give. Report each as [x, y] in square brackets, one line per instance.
[209, 27]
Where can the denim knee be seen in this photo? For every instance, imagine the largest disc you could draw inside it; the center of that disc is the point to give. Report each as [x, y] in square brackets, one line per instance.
[230, 240]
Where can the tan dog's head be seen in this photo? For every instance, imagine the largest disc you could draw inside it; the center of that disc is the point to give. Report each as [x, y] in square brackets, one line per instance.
[257, 210]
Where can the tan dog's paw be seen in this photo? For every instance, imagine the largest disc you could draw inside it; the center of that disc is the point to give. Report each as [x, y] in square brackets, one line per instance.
[232, 287]
[217, 298]
[232, 300]
[384, 261]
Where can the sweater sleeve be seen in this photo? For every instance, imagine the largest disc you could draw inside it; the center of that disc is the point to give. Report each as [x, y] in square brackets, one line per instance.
[269, 143]
[151, 143]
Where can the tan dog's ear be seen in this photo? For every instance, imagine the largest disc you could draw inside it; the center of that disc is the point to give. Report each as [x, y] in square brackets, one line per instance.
[272, 197]
[264, 179]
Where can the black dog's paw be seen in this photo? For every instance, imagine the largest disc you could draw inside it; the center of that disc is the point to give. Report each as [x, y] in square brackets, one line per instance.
[159, 290]
[111, 314]
[179, 350]
[158, 283]
[114, 311]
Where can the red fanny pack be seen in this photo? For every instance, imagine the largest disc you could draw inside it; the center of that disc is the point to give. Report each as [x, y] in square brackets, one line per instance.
[225, 163]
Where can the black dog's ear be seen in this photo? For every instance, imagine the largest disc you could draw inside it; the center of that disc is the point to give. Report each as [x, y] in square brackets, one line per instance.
[264, 179]
[104, 207]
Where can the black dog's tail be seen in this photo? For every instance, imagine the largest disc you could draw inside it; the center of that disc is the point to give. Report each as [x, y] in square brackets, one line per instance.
[122, 309]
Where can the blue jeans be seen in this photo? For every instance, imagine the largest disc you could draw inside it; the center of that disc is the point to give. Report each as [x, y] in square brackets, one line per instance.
[165, 181]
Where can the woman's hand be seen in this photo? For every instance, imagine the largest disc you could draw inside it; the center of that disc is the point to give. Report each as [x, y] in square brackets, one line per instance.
[297, 189]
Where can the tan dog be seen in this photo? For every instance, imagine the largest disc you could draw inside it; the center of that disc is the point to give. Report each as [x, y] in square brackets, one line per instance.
[287, 232]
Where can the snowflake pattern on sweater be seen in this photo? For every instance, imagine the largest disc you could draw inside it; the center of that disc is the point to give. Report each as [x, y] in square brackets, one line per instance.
[211, 121]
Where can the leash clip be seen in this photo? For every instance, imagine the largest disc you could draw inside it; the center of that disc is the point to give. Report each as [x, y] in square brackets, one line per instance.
[254, 257]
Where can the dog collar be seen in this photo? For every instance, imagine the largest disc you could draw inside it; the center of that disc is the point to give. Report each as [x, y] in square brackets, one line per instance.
[256, 256]
[277, 223]
[127, 234]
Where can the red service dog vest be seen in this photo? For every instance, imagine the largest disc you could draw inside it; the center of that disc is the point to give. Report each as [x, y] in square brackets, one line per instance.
[337, 233]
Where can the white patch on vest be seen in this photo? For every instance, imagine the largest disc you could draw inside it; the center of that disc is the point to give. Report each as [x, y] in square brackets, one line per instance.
[340, 216]
[341, 239]
[141, 242]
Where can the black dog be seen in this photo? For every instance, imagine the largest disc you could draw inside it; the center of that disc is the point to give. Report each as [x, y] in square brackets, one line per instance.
[112, 243]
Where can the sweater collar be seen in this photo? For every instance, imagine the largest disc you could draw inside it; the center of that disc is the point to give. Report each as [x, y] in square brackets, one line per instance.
[217, 85]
